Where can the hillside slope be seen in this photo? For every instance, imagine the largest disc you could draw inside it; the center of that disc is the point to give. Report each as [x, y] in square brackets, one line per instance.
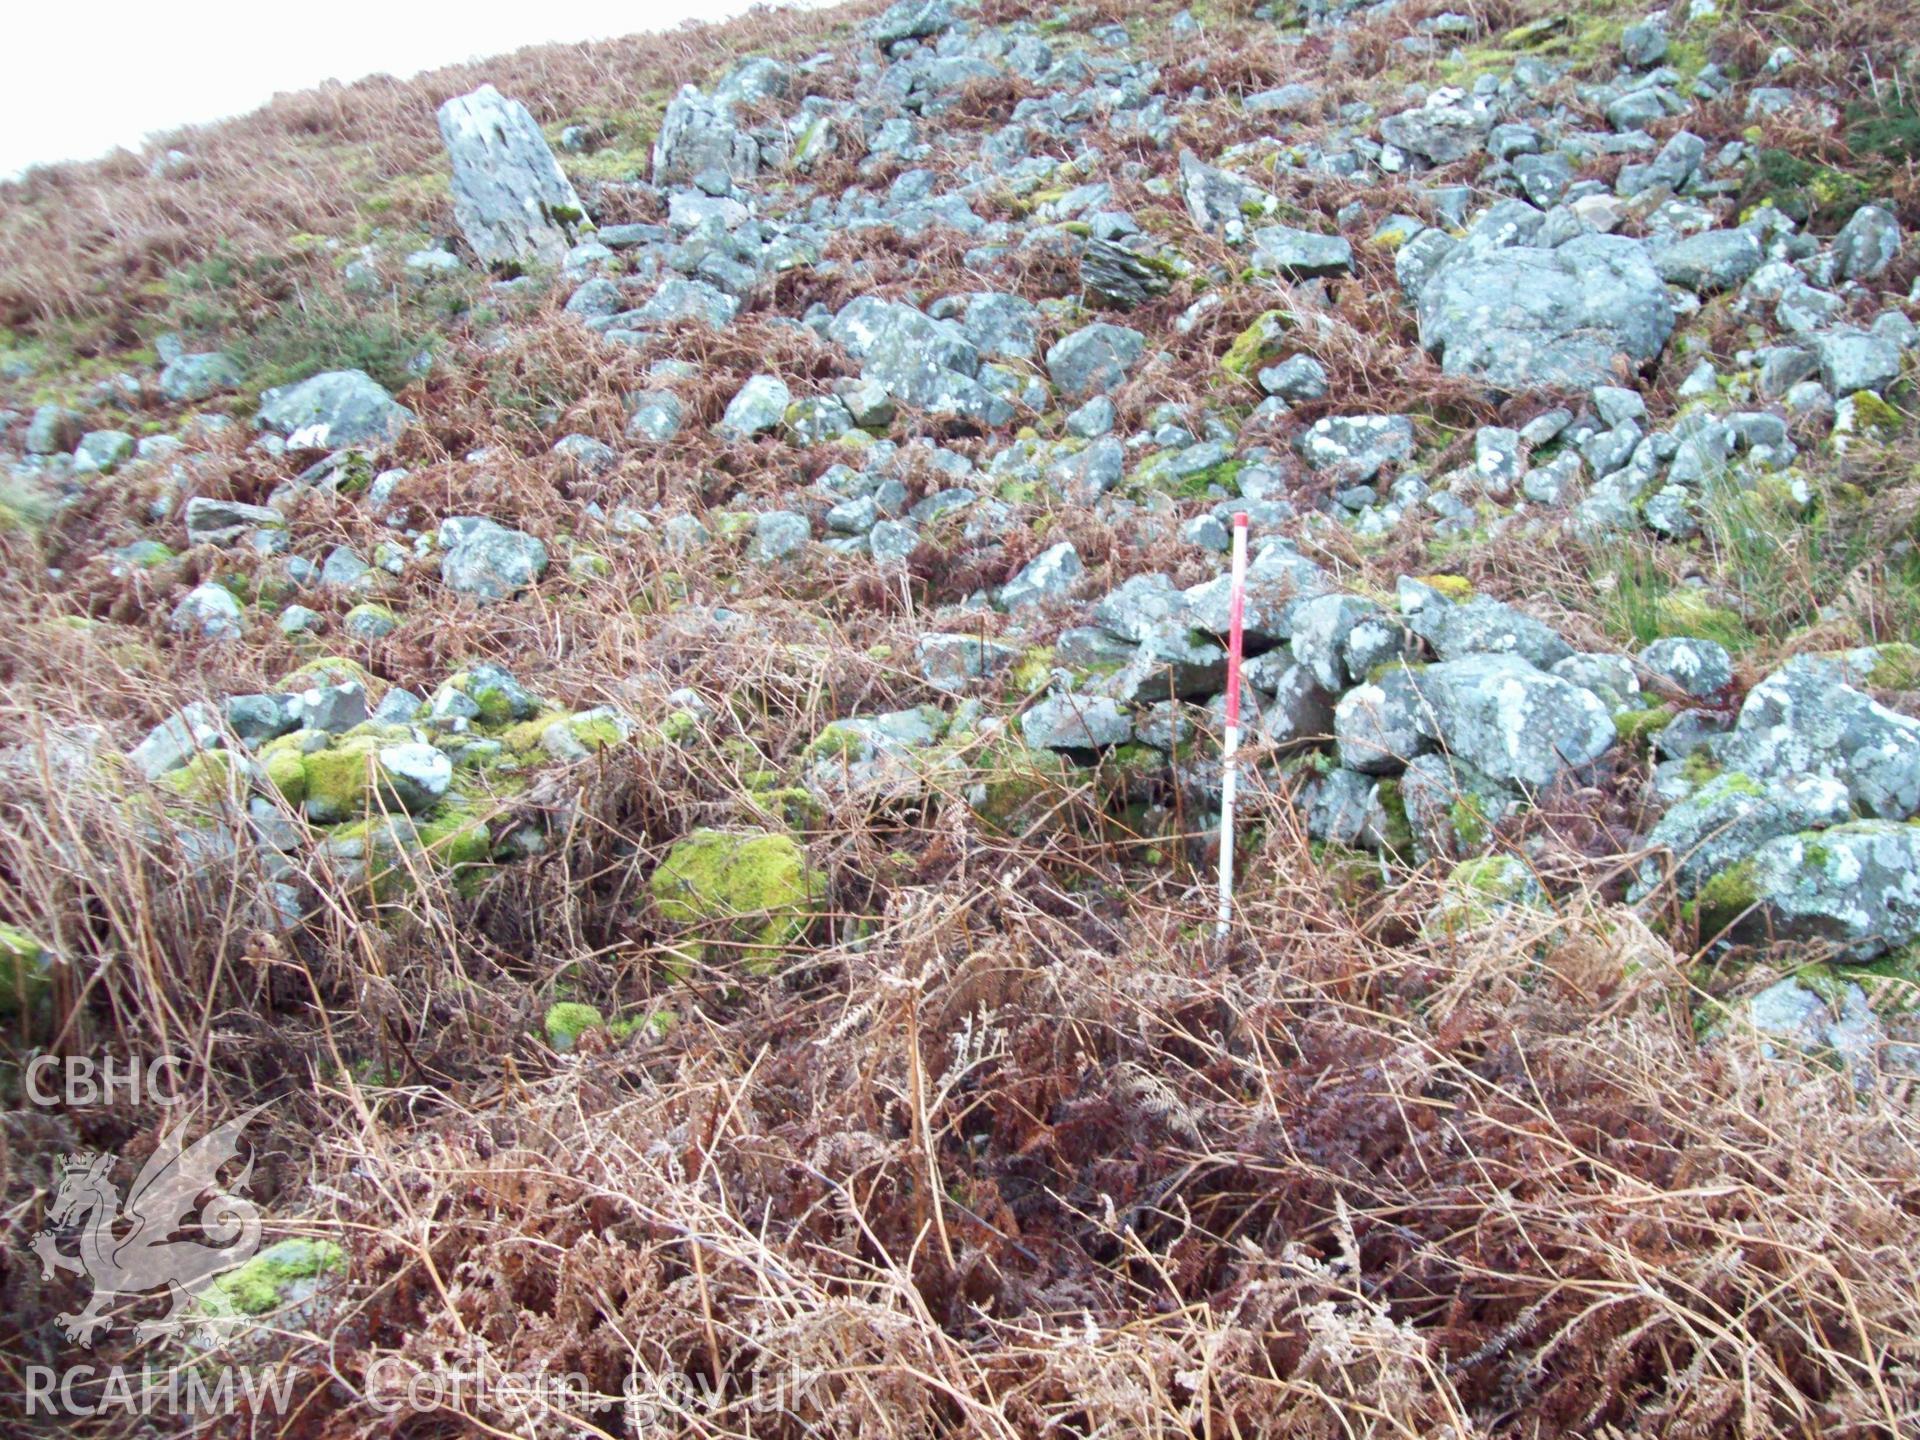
[632, 639]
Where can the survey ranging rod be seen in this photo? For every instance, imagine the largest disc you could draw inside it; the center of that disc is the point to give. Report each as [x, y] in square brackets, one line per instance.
[1236, 614]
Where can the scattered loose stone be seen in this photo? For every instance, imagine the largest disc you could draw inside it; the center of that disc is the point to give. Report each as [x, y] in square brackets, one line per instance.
[1050, 575]
[210, 611]
[486, 560]
[1093, 359]
[326, 412]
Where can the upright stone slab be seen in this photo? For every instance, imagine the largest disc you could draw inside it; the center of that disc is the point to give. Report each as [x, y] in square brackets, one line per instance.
[509, 196]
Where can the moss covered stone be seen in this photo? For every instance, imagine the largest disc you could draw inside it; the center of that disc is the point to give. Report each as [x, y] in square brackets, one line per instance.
[286, 1273]
[750, 888]
[1471, 828]
[577, 735]
[1454, 587]
[459, 841]
[838, 741]
[339, 780]
[680, 727]
[26, 972]
[1725, 898]
[1871, 416]
[1032, 671]
[589, 565]
[1397, 837]
[287, 773]
[500, 699]
[210, 777]
[1254, 346]
[1896, 666]
[369, 621]
[331, 670]
[1683, 612]
[1636, 728]
[523, 738]
[654, 1024]
[1478, 890]
[1013, 787]
[567, 1021]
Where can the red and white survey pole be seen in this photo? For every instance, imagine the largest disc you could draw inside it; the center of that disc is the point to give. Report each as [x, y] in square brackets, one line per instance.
[1236, 615]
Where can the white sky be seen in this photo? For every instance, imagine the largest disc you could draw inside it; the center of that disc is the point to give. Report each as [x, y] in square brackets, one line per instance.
[86, 78]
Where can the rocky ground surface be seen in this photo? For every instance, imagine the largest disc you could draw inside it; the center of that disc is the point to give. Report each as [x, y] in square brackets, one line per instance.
[680, 635]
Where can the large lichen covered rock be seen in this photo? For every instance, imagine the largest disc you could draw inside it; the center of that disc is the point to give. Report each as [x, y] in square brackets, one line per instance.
[1731, 816]
[1803, 720]
[1522, 317]
[752, 889]
[1854, 886]
[510, 197]
[1511, 721]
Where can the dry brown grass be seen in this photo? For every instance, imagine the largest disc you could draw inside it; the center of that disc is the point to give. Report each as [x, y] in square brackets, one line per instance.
[1024, 1155]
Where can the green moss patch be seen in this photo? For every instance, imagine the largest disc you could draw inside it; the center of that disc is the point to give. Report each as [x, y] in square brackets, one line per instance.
[1255, 346]
[26, 972]
[753, 889]
[567, 1021]
[286, 1272]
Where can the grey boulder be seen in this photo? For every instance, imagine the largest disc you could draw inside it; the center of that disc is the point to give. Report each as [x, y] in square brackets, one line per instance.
[698, 134]
[778, 535]
[1699, 668]
[1448, 127]
[417, 774]
[1116, 276]
[1480, 626]
[1050, 575]
[1219, 202]
[177, 739]
[656, 417]
[1853, 360]
[756, 408]
[1094, 359]
[1513, 722]
[1300, 254]
[510, 197]
[910, 20]
[488, 561]
[1357, 447]
[1380, 725]
[1710, 261]
[949, 662]
[1075, 722]
[194, 377]
[1866, 244]
[1523, 317]
[208, 610]
[333, 409]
